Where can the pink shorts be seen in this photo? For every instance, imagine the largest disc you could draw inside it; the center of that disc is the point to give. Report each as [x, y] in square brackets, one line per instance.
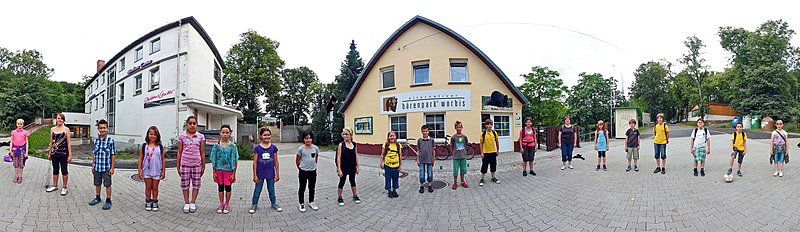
[190, 175]
[223, 177]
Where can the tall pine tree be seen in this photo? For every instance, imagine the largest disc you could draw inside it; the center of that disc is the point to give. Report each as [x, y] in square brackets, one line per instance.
[352, 66]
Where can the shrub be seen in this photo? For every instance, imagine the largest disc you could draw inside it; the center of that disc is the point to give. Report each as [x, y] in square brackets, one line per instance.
[245, 150]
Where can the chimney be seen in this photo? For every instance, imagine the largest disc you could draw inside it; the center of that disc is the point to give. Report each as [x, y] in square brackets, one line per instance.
[100, 64]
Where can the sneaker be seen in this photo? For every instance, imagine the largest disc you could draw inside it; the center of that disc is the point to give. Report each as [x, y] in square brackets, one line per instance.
[226, 210]
[356, 199]
[495, 180]
[658, 169]
[739, 172]
[628, 169]
[775, 174]
[51, 188]
[421, 189]
[313, 206]
[695, 172]
[107, 205]
[702, 172]
[524, 173]
[192, 208]
[532, 173]
[340, 201]
[570, 166]
[481, 183]
[464, 184]
[663, 170]
[277, 207]
[430, 189]
[563, 167]
[220, 208]
[148, 205]
[302, 207]
[455, 186]
[155, 206]
[388, 192]
[604, 168]
[636, 168]
[730, 170]
[394, 193]
[95, 201]
[598, 168]
[780, 174]
[185, 208]
[20, 180]
[63, 191]
[253, 209]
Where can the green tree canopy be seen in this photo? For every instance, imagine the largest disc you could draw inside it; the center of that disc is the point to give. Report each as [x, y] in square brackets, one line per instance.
[650, 90]
[352, 66]
[696, 69]
[590, 100]
[253, 70]
[296, 95]
[546, 92]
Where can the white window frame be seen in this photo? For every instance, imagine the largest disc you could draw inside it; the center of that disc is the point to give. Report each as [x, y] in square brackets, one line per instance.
[122, 64]
[137, 84]
[102, 101]
[217, 95]
[138, 54]
[154, 42]
[398, 131]
[432, 126]
[154, 85]
[394, 79]
[121, 91]
[89, 110]
[217, 73]
[414, 66]
[459, 63]
[95, 104]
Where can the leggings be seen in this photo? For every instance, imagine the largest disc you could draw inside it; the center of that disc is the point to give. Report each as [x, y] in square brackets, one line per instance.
[59, 163]
[345, 176]
[224, 188]
[310, 178]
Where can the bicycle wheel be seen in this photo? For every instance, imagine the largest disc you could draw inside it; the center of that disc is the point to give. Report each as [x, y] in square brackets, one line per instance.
[441, 152]
[470, 152]
[404, 152]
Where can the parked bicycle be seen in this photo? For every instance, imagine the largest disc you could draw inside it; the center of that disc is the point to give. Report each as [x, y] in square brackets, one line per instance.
[407, 149]
[442, 150]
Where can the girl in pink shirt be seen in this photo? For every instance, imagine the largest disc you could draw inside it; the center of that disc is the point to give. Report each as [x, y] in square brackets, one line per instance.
[19, 147]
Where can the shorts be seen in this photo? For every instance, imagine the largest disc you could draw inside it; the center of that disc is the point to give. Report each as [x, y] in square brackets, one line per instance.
[528, 153]
[59, 164]
[780, 154]
[489, 162]
[152, 177]
[737, 154]
[660, 151]
[601, 154]
[223, 177]
[18, 157]
[699, 154]
[102, 178]
[459, 165]
[190, 175]
[633, 153]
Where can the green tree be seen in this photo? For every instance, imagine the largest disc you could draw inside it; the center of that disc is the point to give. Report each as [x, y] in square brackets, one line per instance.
[695, 69]
[761, 59]
[546, 92]
[650, 90]
[253, 70]
[352, 66]
[24, 87]
[321, 122]
[296, 95]
[590, 100]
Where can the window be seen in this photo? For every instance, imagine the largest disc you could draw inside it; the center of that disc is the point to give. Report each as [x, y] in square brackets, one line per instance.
[95, 104]
[502, 124]
[435, 124]
[112, 75]
[102, 79]
[217, 96]
[122, 64]
[155, 45]
[398, 125]
[138, 85]
[458, 71]
[387, 77]
[121, 91]
[89, 110]
[102, 101]
[422, 73]
[217, 73]
[155, 78]
[139, 54]
[111, 122]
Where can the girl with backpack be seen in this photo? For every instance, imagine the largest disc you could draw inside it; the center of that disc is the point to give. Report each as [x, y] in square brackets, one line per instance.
[391, 164]
[567, 141]
[601, 144]
[152, 165]
[527, 146]
[778, 148]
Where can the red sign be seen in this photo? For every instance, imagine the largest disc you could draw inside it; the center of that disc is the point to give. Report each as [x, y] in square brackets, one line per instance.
[159, 95]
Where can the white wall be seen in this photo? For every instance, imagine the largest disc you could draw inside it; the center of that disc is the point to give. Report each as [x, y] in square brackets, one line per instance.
[201, 68]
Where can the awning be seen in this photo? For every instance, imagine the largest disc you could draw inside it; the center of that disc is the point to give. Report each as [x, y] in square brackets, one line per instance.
[211, 107]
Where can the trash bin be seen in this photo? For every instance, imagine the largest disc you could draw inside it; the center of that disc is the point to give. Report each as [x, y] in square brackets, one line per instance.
[746, 122]
[756, 123]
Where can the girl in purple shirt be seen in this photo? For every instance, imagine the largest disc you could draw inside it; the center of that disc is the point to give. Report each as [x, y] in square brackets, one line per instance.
[265, 169]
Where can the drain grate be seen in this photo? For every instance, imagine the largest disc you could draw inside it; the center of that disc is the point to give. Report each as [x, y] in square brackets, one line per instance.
[135, 177]
[403, 174]
[438, 184]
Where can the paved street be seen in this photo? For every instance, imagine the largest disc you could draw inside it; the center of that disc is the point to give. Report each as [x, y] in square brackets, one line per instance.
[572, 200]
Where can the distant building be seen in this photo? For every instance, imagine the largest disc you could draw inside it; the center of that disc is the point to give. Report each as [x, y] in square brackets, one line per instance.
[716, 112]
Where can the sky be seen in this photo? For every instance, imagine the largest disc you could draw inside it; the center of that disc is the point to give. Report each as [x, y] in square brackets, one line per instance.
[607, 37]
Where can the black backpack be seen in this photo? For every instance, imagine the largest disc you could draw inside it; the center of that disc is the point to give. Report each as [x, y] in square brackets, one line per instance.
[483, 135]
[695, 133]
[743, 139]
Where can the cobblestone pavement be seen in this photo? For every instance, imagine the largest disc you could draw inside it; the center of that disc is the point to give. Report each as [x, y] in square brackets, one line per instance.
[571, 200]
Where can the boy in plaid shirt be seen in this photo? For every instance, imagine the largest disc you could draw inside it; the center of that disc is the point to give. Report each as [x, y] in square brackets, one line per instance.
[103, 163]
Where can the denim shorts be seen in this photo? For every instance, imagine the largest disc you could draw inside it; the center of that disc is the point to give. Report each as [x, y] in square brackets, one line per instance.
[660, 151]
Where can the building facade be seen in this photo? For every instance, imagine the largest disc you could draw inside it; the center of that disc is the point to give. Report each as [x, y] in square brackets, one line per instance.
[159, 80]
[426, 73]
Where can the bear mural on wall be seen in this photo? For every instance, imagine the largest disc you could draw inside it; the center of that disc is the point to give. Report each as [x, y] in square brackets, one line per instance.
[390, 104]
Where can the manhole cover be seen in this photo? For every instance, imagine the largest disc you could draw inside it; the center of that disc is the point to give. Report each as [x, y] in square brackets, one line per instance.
[403, 174]
[438, 184]
[135, 177]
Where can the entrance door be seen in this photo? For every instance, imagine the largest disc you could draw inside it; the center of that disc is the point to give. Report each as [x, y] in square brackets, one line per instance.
[502, 125]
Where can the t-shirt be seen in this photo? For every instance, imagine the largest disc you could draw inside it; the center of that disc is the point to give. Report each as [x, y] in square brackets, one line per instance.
[392, 158]
[633, 137]
[601, 140]
[191, 149]
[265, 168]
[488, 140]
[700, 137]
[779, 138]
[19, 137]
[224, 158]
[567, 134]
[661, 134]
[425, 150]
[151, 164]
[738, 140]
[308, 157]
[460, 146]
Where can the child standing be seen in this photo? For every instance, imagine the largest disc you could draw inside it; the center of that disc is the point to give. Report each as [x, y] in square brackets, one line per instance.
[660, 141]
[347, 164]
[632, 140]
[103, 163]
[425, 160]
[265, 169]
[739, 146]
[152, 167]
[527, 146]
[459, 142]
[191, 162]
[567, 141]
[19, 149]
[701, 146]
[223, 158]
[779, 148]
[60, 153]
[601, 144]
[489, 147]
[307, 158]
[391, 165]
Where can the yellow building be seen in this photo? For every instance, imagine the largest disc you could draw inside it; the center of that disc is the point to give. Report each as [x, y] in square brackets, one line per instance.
[426, 73]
